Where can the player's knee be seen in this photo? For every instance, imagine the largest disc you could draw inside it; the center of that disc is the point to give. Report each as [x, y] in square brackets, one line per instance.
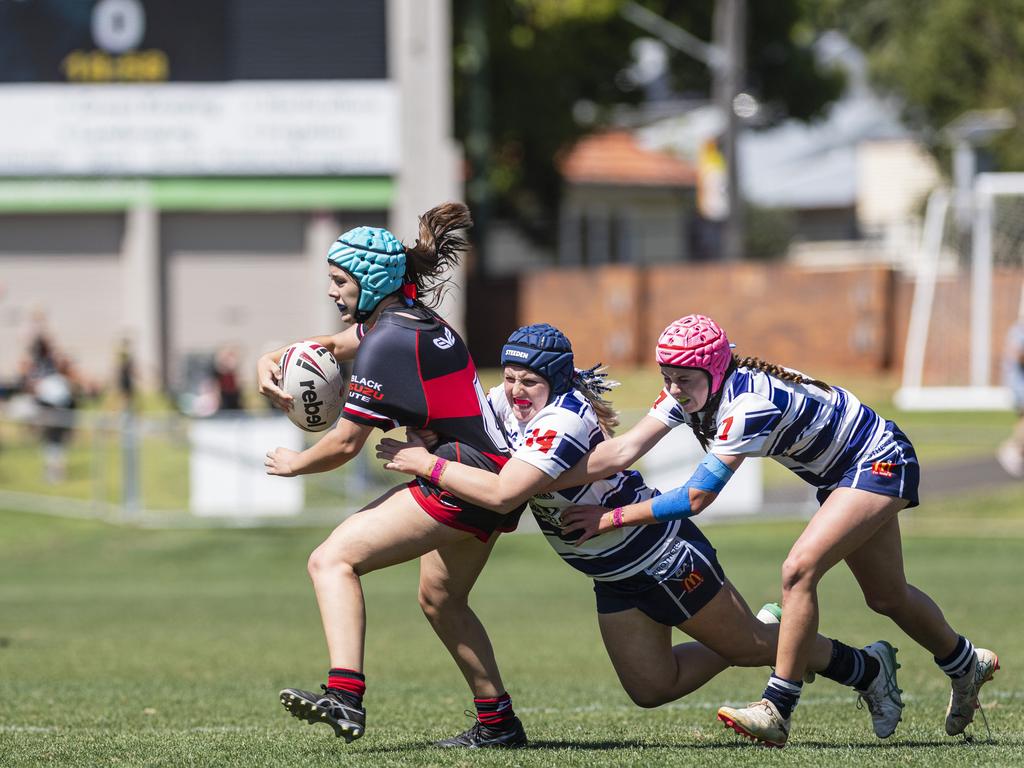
[799, 571]
[647, 696]
[436, 601]
[888, 602]
[328, 562]
[432, 601]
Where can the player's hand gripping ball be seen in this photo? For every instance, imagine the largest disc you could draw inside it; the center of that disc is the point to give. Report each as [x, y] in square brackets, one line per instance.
[311, 375]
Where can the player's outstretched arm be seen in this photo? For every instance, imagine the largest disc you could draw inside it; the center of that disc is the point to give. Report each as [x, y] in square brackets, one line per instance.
[690, 499]
[334, 449]
[343, 345]
[502, 492]
[613, 455]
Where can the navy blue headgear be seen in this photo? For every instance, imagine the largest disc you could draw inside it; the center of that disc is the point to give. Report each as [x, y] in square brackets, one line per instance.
[544, 349]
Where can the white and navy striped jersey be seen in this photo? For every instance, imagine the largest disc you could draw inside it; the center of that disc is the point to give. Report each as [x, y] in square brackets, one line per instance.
[818, 434]
[555, 440]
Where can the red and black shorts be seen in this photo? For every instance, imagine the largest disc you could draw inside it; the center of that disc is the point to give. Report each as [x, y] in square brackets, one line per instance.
[453, 511]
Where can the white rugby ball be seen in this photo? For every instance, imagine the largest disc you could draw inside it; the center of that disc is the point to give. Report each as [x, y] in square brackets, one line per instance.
[312, 376]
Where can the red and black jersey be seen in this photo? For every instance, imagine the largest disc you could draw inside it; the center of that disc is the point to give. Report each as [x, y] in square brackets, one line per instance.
[413, 370]
[416, 372]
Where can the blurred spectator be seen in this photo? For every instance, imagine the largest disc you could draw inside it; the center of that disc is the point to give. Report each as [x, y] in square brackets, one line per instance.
[47, 392]
[126, 374]
[53, 393]
[39, 362]
[1011, 452]
[225, 373]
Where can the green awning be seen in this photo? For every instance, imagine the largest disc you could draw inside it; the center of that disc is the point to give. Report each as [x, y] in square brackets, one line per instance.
[191, 194]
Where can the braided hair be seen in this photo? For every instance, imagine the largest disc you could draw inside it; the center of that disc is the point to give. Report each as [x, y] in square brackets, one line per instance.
[703, 423]
[592, 383]
[778, 371]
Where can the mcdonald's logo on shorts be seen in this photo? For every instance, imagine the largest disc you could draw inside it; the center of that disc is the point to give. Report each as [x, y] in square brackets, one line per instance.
[883, 468]
[691, 581]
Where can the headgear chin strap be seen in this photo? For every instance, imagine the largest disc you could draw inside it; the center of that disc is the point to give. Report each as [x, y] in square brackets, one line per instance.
[544, 349]
[376, 260]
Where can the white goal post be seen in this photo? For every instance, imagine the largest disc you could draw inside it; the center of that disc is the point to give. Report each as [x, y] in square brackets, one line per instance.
[996, 234]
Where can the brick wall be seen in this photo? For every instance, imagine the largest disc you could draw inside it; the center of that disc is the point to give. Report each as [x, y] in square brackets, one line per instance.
[834, 320]
[599, 309]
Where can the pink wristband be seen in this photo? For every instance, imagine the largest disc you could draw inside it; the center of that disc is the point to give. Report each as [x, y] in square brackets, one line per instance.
[438, 470]
[617, 517]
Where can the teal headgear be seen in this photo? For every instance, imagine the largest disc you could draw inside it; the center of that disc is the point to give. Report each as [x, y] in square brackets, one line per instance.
[376, 260]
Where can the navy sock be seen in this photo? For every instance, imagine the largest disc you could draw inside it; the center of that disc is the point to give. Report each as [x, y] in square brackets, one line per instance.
[495, 712]
[958, 663]
[851, 666]
[784, 694]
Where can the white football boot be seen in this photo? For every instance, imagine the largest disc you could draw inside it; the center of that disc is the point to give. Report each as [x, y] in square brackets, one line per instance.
[963, 699]
[882, 695]
[760, 722]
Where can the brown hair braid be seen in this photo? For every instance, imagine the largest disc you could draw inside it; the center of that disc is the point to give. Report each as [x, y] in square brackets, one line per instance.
[703, 423]
[778, 372]
[437, 250]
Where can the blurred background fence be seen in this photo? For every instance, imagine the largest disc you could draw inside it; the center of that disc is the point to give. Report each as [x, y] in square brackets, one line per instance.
[168, 469]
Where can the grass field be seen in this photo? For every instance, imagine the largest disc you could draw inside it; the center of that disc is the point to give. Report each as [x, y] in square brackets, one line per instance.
[167, 648]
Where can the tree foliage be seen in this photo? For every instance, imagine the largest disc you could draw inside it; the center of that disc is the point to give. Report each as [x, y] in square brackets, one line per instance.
[943, 58]
[547, 57]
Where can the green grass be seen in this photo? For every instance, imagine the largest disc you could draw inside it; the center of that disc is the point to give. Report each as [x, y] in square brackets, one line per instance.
[166, 648]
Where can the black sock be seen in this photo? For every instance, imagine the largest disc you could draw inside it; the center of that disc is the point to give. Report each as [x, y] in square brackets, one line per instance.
[495, 712]
[784, 694]
[348, 685]
[958, 663]
[851, 666]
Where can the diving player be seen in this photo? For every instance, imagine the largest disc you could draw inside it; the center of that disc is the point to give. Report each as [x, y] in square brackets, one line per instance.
[865, 470]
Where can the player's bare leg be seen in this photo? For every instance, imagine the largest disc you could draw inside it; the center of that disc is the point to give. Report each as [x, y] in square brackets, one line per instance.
[390, 530]
[846, 520]
[878, 568]
[393, 529]
[654, 672]
[446, 577]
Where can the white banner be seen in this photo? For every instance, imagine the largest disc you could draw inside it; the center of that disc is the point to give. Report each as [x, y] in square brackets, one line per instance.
[239, 128]
[226, 473]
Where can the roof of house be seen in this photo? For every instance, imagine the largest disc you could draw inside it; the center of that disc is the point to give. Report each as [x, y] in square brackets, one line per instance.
[617, 157]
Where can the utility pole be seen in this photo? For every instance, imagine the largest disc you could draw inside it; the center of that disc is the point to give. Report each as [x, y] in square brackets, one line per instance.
[730, 23]
[725, 56]
[478, 128]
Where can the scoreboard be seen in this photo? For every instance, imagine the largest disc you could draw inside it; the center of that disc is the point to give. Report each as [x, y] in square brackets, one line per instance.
[195, 87]
[104, 41]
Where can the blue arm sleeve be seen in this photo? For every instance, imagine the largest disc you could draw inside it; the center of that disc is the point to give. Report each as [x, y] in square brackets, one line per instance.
[711, 475]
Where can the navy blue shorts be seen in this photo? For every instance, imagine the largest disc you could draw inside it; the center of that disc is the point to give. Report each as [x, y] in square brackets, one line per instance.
[669, 599]
[890, 470]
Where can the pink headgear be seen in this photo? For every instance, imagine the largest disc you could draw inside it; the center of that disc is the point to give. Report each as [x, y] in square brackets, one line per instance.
[696, 341]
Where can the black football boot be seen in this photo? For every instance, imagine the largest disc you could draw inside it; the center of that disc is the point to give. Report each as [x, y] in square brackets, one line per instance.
[332, 707]
[510, 735]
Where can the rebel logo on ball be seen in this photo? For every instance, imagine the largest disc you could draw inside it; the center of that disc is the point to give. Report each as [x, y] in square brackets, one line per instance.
[311, 404]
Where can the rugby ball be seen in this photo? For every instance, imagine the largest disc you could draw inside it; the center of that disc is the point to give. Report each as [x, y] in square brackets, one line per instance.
[311, 375]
